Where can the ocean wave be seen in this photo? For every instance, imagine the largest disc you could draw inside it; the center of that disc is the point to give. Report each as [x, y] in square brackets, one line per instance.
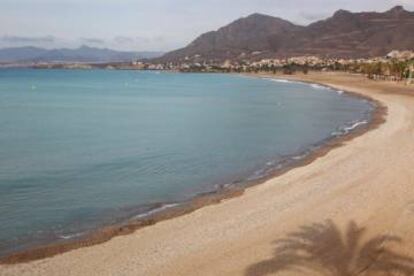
[280, 80]
[313, 85]
[320, 87]
[300, 156]
[348, 128]
[278, 164]
[337, 133]
[156, 210]
[71, 236]
[355, 125]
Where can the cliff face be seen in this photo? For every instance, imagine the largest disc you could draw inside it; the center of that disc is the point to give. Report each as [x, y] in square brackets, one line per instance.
[345, 34]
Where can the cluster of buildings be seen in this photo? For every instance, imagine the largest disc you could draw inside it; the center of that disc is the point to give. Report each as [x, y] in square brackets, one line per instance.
[396, 65]
[313, 62]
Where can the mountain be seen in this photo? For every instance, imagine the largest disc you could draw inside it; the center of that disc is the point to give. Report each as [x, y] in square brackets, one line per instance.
[81, 54]
[245, 35]
[345, 34]
[21, 53]
[348, 34]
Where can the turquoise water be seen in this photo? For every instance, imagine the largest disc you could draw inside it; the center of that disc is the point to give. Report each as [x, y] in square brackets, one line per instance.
[81, 149]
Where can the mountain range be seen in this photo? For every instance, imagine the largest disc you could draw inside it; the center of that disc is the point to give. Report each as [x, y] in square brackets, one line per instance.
[345, 34]
[81, 54]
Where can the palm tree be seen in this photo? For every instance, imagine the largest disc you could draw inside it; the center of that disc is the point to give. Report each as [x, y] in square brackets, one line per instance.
[323, 249]
[409, 71]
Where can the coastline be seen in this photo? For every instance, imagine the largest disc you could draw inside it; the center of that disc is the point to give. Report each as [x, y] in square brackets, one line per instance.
[166, 211]
[210, 199]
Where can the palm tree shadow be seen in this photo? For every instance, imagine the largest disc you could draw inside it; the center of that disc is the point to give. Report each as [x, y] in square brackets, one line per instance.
[324, 250]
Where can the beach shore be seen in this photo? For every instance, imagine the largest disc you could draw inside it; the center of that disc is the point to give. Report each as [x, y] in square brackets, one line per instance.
[353, 197]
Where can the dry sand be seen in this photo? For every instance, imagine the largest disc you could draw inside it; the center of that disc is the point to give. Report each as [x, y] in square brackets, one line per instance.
[340, 206]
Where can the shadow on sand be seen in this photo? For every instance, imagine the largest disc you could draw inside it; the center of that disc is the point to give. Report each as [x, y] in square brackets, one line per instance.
[322, 249]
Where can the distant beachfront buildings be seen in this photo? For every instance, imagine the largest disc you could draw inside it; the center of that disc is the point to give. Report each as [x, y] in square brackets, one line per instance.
[395, 66]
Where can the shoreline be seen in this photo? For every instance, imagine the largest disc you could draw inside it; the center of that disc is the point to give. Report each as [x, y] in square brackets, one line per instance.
[165, 212]
[364, 186]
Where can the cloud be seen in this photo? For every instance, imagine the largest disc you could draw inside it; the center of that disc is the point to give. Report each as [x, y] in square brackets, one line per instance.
[150, 25]
[405, 3]
[120, 42]
[135, 41]
[123, 39]
[91, 40]
[27, 39]
[311, 17]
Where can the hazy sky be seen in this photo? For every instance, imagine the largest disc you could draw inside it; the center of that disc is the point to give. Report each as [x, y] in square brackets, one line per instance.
[150, 24]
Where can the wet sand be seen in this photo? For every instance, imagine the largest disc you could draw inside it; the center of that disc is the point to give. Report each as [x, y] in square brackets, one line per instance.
[368, 181]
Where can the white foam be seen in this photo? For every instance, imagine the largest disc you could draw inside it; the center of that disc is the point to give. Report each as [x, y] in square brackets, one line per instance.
[354, 125]
[348, 128]
[71, 236]
[280, 80]
[336, 133]
[313, 85]
[156, 210]
[320, 87]
[299, 157]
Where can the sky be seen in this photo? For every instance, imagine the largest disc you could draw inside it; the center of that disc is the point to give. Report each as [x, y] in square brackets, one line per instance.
[150, 25]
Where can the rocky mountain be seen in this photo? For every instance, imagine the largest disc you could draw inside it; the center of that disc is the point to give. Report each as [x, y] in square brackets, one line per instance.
[81, 54]
[345, 34]
[245, 35]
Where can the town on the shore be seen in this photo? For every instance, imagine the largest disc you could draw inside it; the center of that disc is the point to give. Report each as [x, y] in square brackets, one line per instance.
[395, 66]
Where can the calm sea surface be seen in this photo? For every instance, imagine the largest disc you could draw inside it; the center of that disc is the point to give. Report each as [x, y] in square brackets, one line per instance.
[81, 149]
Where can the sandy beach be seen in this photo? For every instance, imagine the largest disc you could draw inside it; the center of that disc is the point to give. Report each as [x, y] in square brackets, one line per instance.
[349, 212]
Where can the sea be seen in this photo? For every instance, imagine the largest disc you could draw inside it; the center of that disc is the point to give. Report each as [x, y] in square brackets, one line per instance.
[84, 149]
